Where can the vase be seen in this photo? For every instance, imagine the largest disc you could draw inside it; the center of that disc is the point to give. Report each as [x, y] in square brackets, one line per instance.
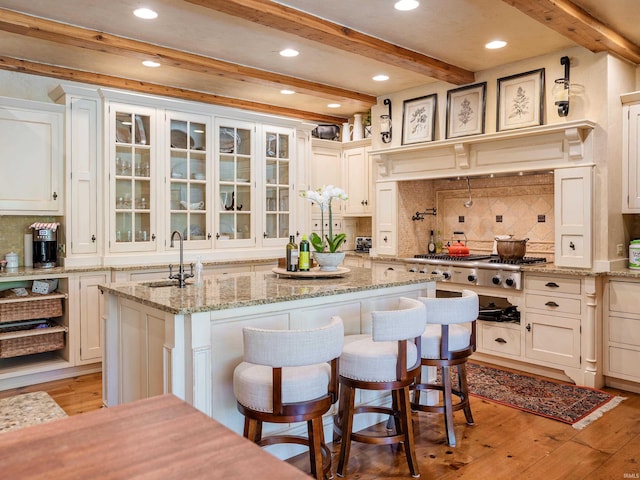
[328, 262]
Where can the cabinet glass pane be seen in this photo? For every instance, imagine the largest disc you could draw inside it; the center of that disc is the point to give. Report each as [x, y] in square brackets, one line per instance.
[124, 232]
[272, 199]
[227, 226]
[283, 146]
[243, 222]
[277, 184]
[271, 227]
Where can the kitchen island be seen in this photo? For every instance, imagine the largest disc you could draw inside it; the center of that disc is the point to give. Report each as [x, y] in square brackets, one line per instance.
[159, 338]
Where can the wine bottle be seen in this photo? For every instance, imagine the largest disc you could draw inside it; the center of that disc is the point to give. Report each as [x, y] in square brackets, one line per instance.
[303, 263]
[438, 242]
[292, 254]
[431, 248]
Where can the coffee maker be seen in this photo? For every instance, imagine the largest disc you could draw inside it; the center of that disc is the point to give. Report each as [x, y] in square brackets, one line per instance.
[45, 247]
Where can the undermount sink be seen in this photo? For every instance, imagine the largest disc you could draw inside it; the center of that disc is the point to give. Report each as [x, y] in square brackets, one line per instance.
[160, 283]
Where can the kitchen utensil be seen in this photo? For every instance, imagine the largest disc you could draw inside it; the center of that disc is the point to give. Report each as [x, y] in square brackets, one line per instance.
[468, 203]
[457, 247]
[495, 242]
[512, 249]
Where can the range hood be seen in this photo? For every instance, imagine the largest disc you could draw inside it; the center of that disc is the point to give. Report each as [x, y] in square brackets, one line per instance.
[544, 147]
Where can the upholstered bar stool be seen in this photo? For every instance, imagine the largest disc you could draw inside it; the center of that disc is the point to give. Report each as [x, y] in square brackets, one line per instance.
[448, 341]
[388, 359]
[290, 376]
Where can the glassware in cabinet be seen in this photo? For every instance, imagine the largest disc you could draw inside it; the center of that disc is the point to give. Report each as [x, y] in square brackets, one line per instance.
[188, 186]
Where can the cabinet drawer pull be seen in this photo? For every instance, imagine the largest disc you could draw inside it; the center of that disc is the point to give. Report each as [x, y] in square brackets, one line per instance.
[552, 285]
[500, 340]
[551, 304]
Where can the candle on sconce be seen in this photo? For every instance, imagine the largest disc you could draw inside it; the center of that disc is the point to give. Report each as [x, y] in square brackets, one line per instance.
[385, 123]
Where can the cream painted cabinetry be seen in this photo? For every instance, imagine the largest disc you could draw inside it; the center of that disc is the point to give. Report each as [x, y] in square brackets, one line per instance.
[83, 150]
[385, 237]
[622, 328]
[357, 180]
[573, 216]
[32, 156]
[553, 313]
[90, 303]
[326, 167]
[631, 153]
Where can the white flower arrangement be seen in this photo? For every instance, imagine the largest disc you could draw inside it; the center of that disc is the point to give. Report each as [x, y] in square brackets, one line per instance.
[323, 197]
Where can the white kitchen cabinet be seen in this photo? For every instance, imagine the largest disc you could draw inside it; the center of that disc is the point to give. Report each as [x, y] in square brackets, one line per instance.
[134, 169]
[573, 216]
[83, 150]
[188, 198]
[357, 179]
[235, 179]
[278, 171]
[553, 314]
[326, 168]
[32, 157]
[622, 329]
[385, 238]
[631, 153]
[91, 304]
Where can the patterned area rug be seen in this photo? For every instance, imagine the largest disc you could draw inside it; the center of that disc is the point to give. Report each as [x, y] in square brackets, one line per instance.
[28, 409]
[577, 406]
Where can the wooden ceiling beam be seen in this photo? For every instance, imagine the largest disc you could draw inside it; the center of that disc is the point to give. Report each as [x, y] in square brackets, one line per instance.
[302, 24]
[577, 24]
[63, 73]
[65, 34]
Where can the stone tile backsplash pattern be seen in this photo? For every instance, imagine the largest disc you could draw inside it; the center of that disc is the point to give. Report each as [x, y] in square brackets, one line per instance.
[519, 200]
[13, 229]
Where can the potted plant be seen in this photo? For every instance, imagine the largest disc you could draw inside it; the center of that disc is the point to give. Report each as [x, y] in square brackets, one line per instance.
[326, 246]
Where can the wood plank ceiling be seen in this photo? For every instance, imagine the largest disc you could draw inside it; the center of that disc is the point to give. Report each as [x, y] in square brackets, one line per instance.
[562, 16]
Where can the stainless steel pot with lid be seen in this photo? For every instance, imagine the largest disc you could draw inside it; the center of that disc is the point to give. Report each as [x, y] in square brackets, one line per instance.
[511, 249]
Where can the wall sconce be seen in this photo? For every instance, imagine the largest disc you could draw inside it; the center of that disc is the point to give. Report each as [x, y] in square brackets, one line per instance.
[385, 123]
[561, 89]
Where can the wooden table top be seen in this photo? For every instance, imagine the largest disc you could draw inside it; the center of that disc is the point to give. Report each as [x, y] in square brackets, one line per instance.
[159, 437]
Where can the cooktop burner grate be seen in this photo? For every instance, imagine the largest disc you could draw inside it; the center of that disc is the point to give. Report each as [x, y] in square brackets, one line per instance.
[522, 261]
[459, 258]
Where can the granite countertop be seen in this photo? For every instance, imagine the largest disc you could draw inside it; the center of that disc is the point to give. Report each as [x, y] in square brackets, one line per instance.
[224, 291]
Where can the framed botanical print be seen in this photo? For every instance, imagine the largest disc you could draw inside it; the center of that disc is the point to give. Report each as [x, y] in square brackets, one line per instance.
[520, 100]
[419, 119]
[466, 110]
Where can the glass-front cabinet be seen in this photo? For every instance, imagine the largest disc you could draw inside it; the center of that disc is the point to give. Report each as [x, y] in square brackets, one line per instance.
[278, 183]
[235, 183]
[189, 197]
[133, 208]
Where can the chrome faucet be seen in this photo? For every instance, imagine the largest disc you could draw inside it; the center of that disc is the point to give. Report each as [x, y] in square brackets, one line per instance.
[181, 276]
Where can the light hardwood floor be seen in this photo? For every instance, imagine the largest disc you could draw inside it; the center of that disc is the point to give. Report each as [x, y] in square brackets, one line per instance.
[505, 443]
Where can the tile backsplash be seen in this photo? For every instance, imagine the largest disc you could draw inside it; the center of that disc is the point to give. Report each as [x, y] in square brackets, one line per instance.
[13, 229]
[518, 205]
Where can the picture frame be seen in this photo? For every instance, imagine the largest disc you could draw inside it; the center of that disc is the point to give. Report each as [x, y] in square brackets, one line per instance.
[520, 100]
[419, 119]
[466, 107]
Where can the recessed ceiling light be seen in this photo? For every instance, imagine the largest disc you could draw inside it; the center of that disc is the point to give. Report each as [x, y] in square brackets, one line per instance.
[495, 44]
[150, 63]
[289, 52]
[381, 78]
[145, 13]
[406, 5]
[287, 92]
[334, 105]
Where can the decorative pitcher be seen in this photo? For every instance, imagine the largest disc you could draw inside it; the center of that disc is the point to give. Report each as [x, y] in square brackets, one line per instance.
[358, 131]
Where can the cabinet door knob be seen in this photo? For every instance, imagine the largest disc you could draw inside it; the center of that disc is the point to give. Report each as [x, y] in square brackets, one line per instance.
[153, 237]
[500, 340]
[385, 239]
[55, 195]
[93, 238]
[208, 236]
[264, 235]
[552, 285]
[528, 327]
[551, 304]
[572, 246]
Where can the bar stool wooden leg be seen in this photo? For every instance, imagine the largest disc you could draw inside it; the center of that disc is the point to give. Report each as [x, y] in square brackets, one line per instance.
[315, 432]
[404, 405]
[346, 426]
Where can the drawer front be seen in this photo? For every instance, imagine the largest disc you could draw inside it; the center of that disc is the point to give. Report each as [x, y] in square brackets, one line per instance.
[554, 304]
[553, 284]
[623, 363]
[624, 297]
[499, 340]
[624, 330]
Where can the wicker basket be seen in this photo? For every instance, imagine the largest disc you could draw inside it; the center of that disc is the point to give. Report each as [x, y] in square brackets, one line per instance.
[14, 308]
[16, 341]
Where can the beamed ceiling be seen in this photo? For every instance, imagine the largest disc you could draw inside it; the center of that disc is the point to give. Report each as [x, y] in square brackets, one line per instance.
[225, 52]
